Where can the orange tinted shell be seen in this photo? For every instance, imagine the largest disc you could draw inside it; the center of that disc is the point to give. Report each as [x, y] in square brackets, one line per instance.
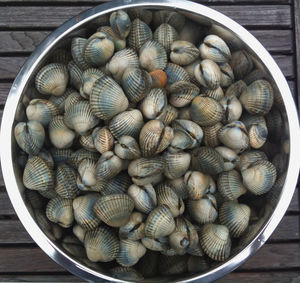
[159, 78]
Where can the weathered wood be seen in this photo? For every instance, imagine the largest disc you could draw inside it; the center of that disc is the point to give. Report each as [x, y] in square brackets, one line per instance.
[295, 204]
[5, 205]
[297, 44]
[40, 278]
[288, 229]
[25, 17]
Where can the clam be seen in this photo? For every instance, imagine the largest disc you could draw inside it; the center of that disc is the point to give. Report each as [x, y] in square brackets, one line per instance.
[140, 13]
[210, 135]
[35, 199]
[190, 70]
[215, 241]
[215, 49]
[98, 49]
[87, 142]
[103, 139]
[159, 223]
[80, 117]
[126, 273]
[227, 76]
[172, 265]
[235, 216]
[101, 244]
[117, 185]
[175, 73]
[259, 177]
[75, 74]
[235, 136]
[182, 93]
[153, 56]
[88, 78]
[77, 156]
[30, 136]
[159, 78]
[66, 185]
[176, 164]
[60, 135]
[197, 184]
[119, 43]
[232, 108]
[179, 187]
[107, 98]
[59, 101]
[172, 18]
[258, 135]
[168, 115]
[134, 228]
[274, 124]
[155, 137]
[136, 84]
[73, 98]
[108, 165]
[256, 74]
[249, 157]
[148, 264]
[230, 185]
[60, 211]
[60, 155]
[191, 32]
[114, 209]
[154, 103]
[158, 245]
[79, 232]
[144, 197]
[183, 52]
[206, 111]
[41, 110]
[60, 55]
[216, 94]
[258, 97]
[87, 175]
[208, 74]
[52, 79]
[37, 175]
[127, 123]
[73, 245]
[184, 113]
[123, 59]
[77, 47]
[127, 148]
[166, 35]
[207, 160]
[236, 89]
[83, 211]
[140, 32]
[231, 159]
[130, 252]
[241, 64]
[120, 23]
[197, 264]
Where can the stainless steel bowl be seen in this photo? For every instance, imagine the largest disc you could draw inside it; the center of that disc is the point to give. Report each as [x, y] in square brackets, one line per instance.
[77, 25]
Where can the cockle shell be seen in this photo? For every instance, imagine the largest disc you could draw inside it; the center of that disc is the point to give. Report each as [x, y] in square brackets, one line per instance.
[126, 273]
[190, 70]
[134, 228]
[87, 142]
[236, 89]
[101, 244]
[114, 209]
[127, 148]
[227, 76]
[73, 98]
[210, 135]
[141, 13]
[75, 74]
[216, 94]
[232, 108]
[52, 79]
[249, 157]
[59, 101]
[176, 164]
[60, 155]
[208, 74]
[77, 47]
[258, 134]
[130, 252]
[30, 136]
[108, 165]
[77, 156]
[182, 93]
[183, 52]
[103, 139]
[175, 73]
[241, 64]
[140, 32]
[73, 246]
[88, 78]
[231, 159]
[179, 187]
[168, 115]
[166, 35]
[79, 232]
[172, 265]
[159, 222]
[35, 199]
[172, 18]
[117, 185]
[120, 23]
[158, 245]
[197, 184]
[87, 175]
[159, 78]
[120, 43]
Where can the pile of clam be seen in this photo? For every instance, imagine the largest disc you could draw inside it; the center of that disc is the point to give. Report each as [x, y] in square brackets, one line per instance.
[147, 145]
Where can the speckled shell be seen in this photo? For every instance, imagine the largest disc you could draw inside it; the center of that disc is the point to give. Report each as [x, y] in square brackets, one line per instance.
[114, 209]
[159, 78]
[37, 175]
[172, 265]
[77, 47]
[52, 79]
[103, 139]
[83, 211]
[60, 211]
[155, 137]
[227, 76]
[215, 49]
[250, 157]
[127, 148]
[258, 97]
[77, 156]
[259, 177]
[140, 32]
[136, 84]
[236, 89]
[108, 165]
[175, 73]
[232, 108]
[101, 245]
[210, 135]
[66, 185]
[87, 175]
[166, 35]
[215, 241]
[153, 56]
[126, 273]
[183, 52]
[107, 99]
[208, 74]
[196, 184]
[182, 93]
[176, 164]
[134, 228]
[119, 43]
[206, 111]
[41, 110]
[159, 223]
[127, 123]
[75, 74]
[203, 210]
[168, 115]
[30, 136]
[230, 185]
[241, 64]
[73, 98]
[89, 76]
[120, 23]
[235, 217]
[231, 159]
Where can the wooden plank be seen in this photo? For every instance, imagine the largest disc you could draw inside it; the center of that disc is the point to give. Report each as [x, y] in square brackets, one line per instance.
[288, 229]
[297, 45]
[295, 204]
[29, 17]
[5, 205]
[40, 278]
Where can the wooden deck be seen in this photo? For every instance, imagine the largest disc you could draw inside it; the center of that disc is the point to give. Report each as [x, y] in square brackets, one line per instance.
[24, 24]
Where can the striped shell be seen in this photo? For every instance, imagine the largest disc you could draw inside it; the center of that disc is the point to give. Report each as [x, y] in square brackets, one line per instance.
[73, 98]
[79, 232]
[59, 101]
[117, 185]
[127, 148]
[249, 157]
[89, 77]
[182, 93]
[108, 165]
[120, 23]
[168, 115]
[103, 139]
[227, 76]
[183, 52]
[75, 74]
[236, 89]
[196, 184]
[77, 47]
[158, 245]
[165, 34]
[134, 228]
[208, 74]
[60, 155]
[176, 164]
[241, 64]
[210, 135]
[119, 43]
[126, 273]
[140, 13]
[77, 156]
[216, 94]
[232, 108]
[175, 73]
[258, 134]
[172, 18]
[179, 187]
[87, 142]
[231, 159]
[87, 175]
[140, 32]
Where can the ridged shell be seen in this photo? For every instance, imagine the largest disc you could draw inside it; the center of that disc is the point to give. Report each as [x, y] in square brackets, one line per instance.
[250, 157]
[126, 273]
[179, 187]
[227, 76]
[208, 74]
[259, 177]
[231, 159]
[83, 211]
[207, 160]
[77, 156]
[89, 77]
[196, 184]
[107, 99]
[73, 98]
[216, 94]
[114, 209]
[134, 228]
[60, 135]
[87, 142]
[120, 23]
[158, 245]
[119, 42]
[256, 74]
[60, 55]
[176, 164]
[155, 137]
[232, 108]
[206, 111]
[141, 13]
[108, 165]
[60, 155]
[79, 232]
[236, 89]
[197, 264]
[117, 185]
[210, 135]
[140, 32]
[52, 79]
[172, 265]
[41, 110]
[37, 175]
[182, 93]
[127, 123]
[66, 185]
[136, 84]
[183, 52]
[75, 74]
[80, 117]
[103, 139]
[172, 18]
[241, 64]
[87, 175]
[153, 56]
[77, 47]
[59, 101]
[60, 211]
[175, 73]
[101, 244]
[230, 185]
[159, 78]
[159, 223]
[258, 97]
[215, 241]
[258, 134]
[165, 34]
[73, 246]
[30, 136]
[127, 148]
[35, 199]
[215, 49]
[168, 115]
[235, 217]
